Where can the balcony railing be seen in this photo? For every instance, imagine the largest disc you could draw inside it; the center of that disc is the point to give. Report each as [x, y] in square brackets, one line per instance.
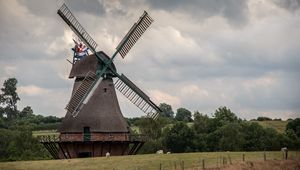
[56, 138]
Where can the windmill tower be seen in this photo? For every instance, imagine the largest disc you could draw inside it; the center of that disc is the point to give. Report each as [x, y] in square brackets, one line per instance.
[94, 124]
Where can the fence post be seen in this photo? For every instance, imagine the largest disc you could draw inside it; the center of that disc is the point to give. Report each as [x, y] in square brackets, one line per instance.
[159, 166]
[243, 157]
[286, 154]
[225, 160]
[182, 165]
[265, 157]
[203, 164]
[175, 165]
[229, 158]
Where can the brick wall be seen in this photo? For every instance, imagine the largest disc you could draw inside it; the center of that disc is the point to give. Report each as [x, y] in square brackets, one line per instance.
[95, 137]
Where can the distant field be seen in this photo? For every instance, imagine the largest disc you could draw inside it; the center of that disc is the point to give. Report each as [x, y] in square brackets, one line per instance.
[146, 162]
[277, 125]
[44, 132]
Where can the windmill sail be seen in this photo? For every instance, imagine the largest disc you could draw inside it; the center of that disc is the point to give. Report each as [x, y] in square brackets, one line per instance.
[82, 94]
[134, 34]
[70, 19]
[137, 96]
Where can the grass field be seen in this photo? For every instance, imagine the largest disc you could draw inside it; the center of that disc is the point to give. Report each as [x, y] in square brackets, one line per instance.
[147, 162]
[44, 132]
[277, 125]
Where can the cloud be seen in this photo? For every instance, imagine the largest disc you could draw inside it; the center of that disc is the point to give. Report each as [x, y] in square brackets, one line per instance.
[10, 70]
[60, 43]
[163, 97]
[291, 5]
[234, 11]
[193, 90]
[32, 90]
[197, 54]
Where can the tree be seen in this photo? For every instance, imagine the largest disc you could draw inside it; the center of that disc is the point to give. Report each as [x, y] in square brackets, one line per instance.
[166, 110]
[270, 140]
[19, 144]
[200, 142]
[27, 111]
[223, 116]
[9, 99]
[179, 138]
[151, 128]
[295, 126]
[232, 137]
[183, 115]
[201, 122]
[253, 136]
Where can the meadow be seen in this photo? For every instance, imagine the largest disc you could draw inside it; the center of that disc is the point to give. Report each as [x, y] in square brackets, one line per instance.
[149, 161]
[279, 126]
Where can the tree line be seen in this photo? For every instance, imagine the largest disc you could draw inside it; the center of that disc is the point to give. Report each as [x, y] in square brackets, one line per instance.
[223, 131]
[182, 131]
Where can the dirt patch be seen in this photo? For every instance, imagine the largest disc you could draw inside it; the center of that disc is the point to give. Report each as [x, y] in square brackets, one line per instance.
[290, 164]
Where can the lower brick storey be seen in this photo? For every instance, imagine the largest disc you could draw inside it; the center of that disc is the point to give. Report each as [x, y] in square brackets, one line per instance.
[92, 149]
[73, 137]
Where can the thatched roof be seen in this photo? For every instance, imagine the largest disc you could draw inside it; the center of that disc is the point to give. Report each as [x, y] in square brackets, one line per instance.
[102, 112]
[89, 63]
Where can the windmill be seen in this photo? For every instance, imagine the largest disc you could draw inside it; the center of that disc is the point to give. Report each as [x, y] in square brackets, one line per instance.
[94, 125]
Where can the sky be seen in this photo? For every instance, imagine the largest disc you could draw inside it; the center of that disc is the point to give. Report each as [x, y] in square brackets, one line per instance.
[197, 54]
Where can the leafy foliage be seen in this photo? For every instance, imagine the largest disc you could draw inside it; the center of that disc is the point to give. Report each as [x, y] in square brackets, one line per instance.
[222, 116]
[16, 140]
[183, 115]
[294, 125]
[9, 99]
[201, 123]
[179, 138]
[166, 110]
[222, 132]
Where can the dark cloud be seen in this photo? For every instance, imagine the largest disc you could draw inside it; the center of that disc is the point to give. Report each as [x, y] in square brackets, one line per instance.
[235, 11]
[291, 5]
[40, 8]
[93, 7]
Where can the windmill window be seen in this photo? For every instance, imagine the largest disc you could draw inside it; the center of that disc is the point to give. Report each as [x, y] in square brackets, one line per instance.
[86, 133]
[105, 90]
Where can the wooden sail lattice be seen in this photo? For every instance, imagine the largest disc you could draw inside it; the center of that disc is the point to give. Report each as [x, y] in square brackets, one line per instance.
[137, 96]
[134, 34]
[78, 29]
[76, 100]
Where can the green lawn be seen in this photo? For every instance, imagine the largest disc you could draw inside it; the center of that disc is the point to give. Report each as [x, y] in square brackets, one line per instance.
[145, 162]
[277, 125]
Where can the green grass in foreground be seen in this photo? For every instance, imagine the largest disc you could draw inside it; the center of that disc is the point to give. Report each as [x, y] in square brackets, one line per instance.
[279, 126]
[145, 162]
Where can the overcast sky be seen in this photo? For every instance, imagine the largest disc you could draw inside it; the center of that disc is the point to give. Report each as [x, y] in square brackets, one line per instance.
[199, 55]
